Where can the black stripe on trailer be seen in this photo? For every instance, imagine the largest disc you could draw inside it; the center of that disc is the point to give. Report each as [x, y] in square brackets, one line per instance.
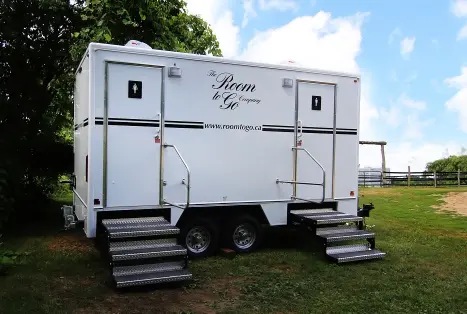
[313, 131]
[184, 126]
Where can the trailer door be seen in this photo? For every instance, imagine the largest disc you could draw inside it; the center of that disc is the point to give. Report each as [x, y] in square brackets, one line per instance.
[132, 158]
[315, 133]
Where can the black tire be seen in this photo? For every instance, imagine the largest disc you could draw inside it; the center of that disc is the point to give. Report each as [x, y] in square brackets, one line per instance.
[199, 226]
[231, 232]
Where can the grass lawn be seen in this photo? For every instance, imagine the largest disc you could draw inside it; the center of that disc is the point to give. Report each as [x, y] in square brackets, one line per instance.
[425, 270]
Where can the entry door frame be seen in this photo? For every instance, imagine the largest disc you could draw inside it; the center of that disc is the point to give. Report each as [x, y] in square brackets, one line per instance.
[295, 152]
[106, 125]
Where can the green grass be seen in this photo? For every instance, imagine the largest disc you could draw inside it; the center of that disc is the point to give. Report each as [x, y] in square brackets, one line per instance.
[425, 270]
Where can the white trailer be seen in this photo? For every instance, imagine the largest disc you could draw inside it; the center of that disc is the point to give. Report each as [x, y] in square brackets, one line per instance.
[206, 150]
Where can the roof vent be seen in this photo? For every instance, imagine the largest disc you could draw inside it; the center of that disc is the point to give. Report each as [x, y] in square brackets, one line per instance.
[137, 44]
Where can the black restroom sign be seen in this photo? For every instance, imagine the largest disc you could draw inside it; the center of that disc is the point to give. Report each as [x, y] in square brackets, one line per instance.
[135, 89]
[316, 103]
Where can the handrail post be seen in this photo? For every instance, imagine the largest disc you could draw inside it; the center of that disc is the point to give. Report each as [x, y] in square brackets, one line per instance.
[322, 169]
[188, 185]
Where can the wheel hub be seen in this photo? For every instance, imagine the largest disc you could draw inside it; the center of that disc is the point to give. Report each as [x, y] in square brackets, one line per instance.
[198, 239]
[244, 236]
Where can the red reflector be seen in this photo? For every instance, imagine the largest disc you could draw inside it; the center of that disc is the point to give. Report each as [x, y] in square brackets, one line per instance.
[97, 201]
[352, 193]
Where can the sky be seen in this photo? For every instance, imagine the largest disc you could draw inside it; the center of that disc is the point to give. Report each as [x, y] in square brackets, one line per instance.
[412, 63]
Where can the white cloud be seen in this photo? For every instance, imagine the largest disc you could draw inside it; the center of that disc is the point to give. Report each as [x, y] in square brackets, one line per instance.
[462, 34]
[218, 14]
[395, 32]
[280, 5]
[249, 12]
[459, 8]
[317, 41]
[392, 116]
[407, 46]
[417, 155]
[411, 103]
[458, 102]
[414, 127]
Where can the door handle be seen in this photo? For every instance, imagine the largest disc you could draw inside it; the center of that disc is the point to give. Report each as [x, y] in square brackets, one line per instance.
[300, 128]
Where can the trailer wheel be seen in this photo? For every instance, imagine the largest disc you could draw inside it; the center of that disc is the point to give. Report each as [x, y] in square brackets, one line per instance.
[243, 234]
[200, 236]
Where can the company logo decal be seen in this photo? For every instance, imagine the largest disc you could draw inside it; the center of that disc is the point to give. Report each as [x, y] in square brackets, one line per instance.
[230, 93]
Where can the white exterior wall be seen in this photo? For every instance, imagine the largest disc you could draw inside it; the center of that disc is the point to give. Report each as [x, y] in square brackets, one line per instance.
[232, 165]
[81, 138]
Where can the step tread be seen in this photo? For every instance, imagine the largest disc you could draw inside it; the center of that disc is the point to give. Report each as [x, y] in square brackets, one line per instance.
[357, 255]
[152, 278]
[323, 219]
[348, 235]
[133, 245]
[142, 230]
[131, 221]
[319, 213]
[148, 268]
[140, 253]
[301, 212]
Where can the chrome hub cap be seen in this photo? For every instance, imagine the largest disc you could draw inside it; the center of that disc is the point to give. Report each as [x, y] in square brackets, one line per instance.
[198, 239]
[244, 236]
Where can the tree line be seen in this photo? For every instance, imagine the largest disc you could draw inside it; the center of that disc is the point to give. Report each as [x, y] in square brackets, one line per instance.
[449, 164]
[41, 44]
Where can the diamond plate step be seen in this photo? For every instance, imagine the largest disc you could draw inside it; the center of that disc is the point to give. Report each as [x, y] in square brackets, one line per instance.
[152, 278]
[356, 256]
[142, 244]
[138, 227]
[148, 268]
[331, 218]
[304, 212]
[134, 221]
[324, 216]
[129, 231]
[138, 252]
[347, 248]
[345, 236]
[337, 229]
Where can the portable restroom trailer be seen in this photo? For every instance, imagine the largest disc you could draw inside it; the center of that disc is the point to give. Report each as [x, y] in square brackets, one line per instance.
[178, 154]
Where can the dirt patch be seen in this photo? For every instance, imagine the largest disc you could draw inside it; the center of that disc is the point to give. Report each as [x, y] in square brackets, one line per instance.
[284, 268]
[209, 298]
[453, 202]
[70, 243]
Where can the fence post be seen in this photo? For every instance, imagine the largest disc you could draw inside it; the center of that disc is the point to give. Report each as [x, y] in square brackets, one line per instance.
[459, 177]
[434, 176]
[408, 177]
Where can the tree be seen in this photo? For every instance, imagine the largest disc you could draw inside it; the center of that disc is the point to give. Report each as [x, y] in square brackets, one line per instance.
[162, 24]
[41, 43]
[449, 164]
[35, 39]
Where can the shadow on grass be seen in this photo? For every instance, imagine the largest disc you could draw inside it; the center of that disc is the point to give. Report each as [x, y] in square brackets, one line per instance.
[36, 222]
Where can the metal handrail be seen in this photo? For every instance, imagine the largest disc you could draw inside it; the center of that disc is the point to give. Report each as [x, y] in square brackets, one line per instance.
[309, 183]
[188, 186]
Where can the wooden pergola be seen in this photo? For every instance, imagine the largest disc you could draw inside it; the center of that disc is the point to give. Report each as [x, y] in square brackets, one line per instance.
[383, 157]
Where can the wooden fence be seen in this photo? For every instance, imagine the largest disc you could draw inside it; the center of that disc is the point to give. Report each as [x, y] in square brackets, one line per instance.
[435, 179]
